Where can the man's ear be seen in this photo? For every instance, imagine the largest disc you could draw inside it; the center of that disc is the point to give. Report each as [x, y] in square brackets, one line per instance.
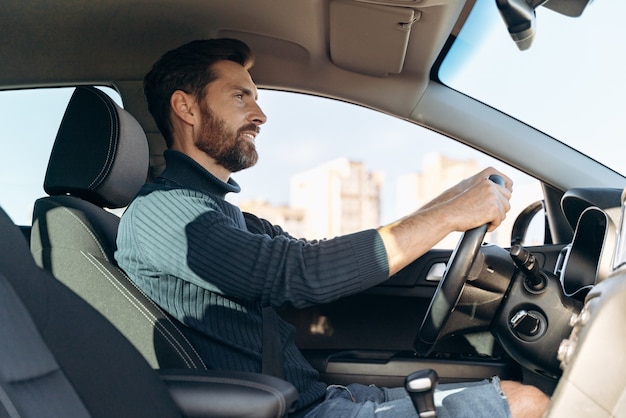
[184, 107]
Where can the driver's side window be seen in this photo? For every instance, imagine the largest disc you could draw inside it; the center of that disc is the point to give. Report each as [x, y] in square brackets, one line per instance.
[328, 168]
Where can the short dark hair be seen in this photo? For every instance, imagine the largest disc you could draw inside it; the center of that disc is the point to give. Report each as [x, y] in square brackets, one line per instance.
[188, 68]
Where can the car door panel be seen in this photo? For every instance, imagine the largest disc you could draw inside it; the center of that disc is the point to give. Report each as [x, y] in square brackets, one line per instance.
[368, 337]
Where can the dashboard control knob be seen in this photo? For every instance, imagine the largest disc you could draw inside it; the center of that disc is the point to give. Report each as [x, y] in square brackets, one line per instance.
[566, 351]
[527, 262]
[581, 318]
[526, 323]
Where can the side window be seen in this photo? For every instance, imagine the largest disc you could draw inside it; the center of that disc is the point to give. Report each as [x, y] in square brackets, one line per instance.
[28, 125]
[328, 168]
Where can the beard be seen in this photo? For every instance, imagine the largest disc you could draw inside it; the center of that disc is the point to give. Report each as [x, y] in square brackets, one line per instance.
[226, 146]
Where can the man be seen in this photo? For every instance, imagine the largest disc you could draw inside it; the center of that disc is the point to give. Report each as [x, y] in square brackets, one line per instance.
[215, 269]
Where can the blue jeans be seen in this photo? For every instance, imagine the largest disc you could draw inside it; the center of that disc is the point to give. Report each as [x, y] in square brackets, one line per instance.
[475, 400]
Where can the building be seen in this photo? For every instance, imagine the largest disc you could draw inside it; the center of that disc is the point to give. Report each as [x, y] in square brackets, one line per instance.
[342, 196]
[290, 219]
[338, 197]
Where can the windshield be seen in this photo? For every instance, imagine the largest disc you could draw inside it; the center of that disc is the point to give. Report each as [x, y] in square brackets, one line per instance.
[568, 84]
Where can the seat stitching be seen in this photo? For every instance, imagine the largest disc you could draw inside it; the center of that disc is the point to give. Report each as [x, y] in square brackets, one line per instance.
[232, 380]
[139, 306]
[113, 132]
[165, 317]
[169, 337]
[151, 319]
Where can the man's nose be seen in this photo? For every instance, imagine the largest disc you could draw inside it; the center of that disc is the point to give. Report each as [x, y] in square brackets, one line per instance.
[257, 115]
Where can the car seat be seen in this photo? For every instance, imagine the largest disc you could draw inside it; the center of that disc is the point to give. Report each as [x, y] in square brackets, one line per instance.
[63, 358]
[100, 160]
[59, 357]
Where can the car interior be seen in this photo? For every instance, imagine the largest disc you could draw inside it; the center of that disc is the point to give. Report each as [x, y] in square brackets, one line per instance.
[80, 339]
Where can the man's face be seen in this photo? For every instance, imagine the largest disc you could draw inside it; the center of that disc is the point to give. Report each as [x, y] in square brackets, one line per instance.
[230, 118]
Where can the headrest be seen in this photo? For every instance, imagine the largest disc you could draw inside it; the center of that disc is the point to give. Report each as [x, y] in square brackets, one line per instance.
[100, 153]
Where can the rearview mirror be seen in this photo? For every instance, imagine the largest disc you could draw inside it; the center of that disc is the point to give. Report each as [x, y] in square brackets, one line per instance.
[519, 16]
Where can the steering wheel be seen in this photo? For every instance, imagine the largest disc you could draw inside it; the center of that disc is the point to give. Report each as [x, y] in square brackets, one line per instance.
[451, 284]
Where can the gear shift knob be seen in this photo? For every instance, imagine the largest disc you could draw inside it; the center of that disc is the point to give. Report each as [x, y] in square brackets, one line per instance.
[421, 387]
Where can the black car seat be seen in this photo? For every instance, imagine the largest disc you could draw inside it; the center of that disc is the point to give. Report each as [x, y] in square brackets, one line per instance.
[100, 160]
[25, 357]
[59, 357]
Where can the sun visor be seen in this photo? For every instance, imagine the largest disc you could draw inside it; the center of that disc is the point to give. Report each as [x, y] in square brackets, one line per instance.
[369, 38]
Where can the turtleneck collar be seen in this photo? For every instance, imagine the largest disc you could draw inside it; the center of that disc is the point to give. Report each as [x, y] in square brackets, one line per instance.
[185, 171]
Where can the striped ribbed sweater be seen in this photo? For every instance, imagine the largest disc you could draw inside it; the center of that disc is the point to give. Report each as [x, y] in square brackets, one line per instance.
[213, 268]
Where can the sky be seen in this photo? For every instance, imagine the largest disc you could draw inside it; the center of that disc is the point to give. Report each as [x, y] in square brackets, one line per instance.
[28, 124]
[569, 84]
[301, 131]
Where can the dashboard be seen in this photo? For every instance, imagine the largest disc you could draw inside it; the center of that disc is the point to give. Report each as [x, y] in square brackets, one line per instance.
[588, 259]
[538, 315]
[592, 356]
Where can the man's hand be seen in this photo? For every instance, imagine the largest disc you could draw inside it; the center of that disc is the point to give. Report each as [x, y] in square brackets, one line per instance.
[473, 202]
[476, 201]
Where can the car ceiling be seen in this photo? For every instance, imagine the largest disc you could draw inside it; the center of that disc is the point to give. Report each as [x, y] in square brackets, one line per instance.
[351, 50]
[302, 45]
